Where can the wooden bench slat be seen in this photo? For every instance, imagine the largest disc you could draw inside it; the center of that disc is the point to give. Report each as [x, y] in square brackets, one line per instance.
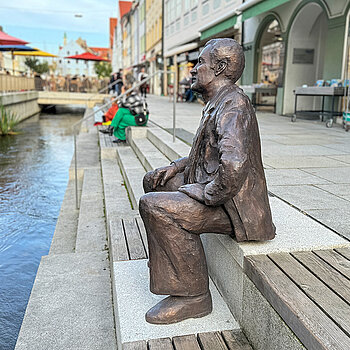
[211, 340]
[186, 342]
[120, 250]
[339, 262]
[142, 229]
[160, 344]
[316, 290]
[326, 273]
[310, 324]
[344, 251]
[133, 238]
[135, 345]
[236, 340]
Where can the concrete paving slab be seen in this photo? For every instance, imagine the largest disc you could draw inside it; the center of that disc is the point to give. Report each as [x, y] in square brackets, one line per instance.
[340, 190]
[344, 146]
[281, 177]
[293, 162]
[337, 219]
[70, 305]
[294, 232]
[134, 299]
[335, 175]
[343, 158]
[299, 150]
[308, 197]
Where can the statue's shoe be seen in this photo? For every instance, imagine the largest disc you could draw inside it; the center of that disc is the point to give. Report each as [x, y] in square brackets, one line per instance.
[175, 309]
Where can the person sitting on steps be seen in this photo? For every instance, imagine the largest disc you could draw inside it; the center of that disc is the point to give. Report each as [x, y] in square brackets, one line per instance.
[133, 111]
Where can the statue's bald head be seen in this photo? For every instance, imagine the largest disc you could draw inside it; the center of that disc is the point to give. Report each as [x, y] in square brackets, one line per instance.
[229, 51]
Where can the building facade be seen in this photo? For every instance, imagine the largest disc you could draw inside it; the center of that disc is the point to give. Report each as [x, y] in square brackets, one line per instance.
[287, 43]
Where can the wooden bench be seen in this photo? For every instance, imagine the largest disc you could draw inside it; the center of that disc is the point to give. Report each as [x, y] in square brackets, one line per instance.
[129, 239]
[225, 340]
[310, 291]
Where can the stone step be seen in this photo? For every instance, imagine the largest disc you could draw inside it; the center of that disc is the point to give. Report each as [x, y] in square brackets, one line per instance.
[148, 154]
[91, 233]
[131, 285]
[65, 234]
[70, 305]
[164, 142]
[117, 202]
[133, 173]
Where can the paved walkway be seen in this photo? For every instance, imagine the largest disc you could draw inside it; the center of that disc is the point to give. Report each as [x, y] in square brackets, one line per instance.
[306, 164]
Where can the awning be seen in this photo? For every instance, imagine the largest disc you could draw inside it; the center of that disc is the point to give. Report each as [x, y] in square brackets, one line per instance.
[6, 39]
[87, 56]
[247, 10]
[38, 53]
[261, 7]
[13, 48]
[180, 49]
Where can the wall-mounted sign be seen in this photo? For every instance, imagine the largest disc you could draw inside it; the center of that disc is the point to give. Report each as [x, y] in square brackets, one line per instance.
[303, 56]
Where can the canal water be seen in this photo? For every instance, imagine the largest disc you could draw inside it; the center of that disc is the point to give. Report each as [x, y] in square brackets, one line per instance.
[33, 178]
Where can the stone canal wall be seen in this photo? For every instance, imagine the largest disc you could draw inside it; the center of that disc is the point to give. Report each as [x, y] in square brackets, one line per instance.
[24, 104]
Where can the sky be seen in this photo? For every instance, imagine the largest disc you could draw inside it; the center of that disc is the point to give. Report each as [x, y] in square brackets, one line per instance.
[43, 22]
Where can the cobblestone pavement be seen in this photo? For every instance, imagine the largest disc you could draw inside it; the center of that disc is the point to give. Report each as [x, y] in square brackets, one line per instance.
[306, 164]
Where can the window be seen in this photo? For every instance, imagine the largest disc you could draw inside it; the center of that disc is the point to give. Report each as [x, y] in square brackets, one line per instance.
[76, 52]
[205, 8]
[216, 4]
[194, 3]
[187, 5]
[178, 8]
[67, 53]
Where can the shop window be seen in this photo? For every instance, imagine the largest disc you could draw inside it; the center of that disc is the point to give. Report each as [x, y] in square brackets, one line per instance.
[271, 55]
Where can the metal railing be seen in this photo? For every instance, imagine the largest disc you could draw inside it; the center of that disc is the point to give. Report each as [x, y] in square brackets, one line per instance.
[101, 108]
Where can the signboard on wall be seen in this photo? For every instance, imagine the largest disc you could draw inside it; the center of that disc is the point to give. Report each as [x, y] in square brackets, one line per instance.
[303, 56]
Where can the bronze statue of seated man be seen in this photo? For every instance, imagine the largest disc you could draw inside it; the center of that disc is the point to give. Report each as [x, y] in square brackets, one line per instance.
[220, 187]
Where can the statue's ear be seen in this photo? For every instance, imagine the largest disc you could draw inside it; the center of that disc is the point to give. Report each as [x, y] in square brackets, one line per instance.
[220, 67]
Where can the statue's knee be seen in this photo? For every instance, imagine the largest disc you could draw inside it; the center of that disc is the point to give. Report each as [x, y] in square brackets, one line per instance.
[147, 182]
[145, 203]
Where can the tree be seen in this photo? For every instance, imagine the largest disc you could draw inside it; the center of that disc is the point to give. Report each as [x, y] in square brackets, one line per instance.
[36, 66]
[103, 69]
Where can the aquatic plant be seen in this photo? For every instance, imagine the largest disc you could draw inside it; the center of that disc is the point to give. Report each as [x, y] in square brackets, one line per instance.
[8, 121]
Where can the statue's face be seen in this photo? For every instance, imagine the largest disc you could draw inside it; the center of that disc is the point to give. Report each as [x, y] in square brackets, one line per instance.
[202, 73]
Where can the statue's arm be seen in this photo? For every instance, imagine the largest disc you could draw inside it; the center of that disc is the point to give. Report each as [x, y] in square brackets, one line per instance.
[160, 176]
[234, 143]
[180, 164]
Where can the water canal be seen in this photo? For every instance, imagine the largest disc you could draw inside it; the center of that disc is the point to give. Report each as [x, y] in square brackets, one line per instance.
[33, 177]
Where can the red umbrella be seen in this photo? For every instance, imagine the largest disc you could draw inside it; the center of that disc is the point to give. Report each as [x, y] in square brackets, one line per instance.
[87, 56]
[6, 39]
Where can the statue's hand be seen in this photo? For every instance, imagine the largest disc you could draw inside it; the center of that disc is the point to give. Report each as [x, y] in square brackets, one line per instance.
[195, 191]
[163, 174]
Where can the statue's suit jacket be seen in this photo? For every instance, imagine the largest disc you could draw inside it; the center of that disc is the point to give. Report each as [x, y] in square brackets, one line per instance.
[226, 159]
